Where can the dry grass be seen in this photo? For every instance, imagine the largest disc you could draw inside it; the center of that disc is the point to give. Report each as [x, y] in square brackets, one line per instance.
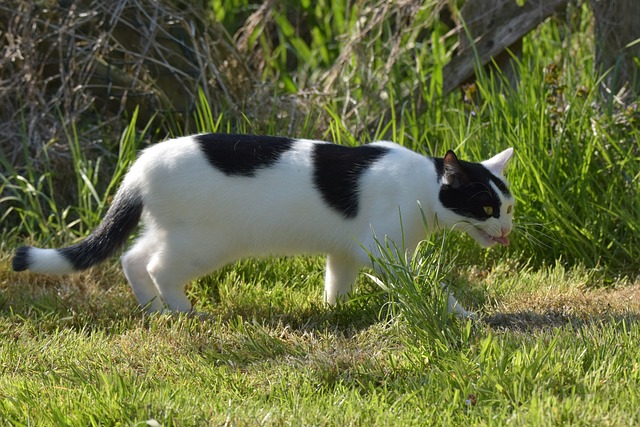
[546, 310]
[563, 297]
[91, 63]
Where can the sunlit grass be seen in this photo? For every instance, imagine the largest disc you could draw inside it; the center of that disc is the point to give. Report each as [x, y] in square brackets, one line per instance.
[79, 351]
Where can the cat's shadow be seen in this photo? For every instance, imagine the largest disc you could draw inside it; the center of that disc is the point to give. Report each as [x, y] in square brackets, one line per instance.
[345, 319]
[56, 311]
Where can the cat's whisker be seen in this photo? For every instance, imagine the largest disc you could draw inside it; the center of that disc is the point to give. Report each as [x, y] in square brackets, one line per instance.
[529, 230]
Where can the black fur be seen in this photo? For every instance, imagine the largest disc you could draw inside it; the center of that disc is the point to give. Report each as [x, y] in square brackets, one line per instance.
[479, 170]
[468, 190]
[112, 233]
[242, 155]
[21, 259]
[336, 172]
[439, 162]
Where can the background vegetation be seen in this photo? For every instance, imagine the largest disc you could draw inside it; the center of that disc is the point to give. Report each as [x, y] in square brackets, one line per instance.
[558, 343]
[328, 70]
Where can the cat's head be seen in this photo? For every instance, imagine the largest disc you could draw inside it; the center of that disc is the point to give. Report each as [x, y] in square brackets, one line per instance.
[476, 197]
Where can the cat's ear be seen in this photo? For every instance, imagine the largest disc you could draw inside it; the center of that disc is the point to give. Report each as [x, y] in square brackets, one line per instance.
[498, 163]
[454, 174]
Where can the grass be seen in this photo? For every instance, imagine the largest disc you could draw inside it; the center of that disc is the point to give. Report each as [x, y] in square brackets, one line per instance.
[551, 351]
[556, 342]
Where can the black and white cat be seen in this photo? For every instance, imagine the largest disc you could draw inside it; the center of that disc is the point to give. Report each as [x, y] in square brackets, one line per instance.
[208, 200]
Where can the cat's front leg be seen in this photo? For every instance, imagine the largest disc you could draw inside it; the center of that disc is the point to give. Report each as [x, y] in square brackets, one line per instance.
[453, 306]
[340, 275]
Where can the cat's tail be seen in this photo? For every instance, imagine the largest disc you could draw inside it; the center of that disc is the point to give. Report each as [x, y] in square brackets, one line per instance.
[112, 233]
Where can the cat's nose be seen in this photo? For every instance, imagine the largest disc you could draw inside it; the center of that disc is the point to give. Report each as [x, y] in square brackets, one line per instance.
[506, 231]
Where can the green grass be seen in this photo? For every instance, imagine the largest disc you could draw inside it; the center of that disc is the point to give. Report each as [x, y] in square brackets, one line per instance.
[550, 352]
[557, 339]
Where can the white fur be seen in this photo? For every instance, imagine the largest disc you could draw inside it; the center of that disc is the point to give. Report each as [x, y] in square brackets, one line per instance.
[49, 261]
[197, 219]
[497, 163]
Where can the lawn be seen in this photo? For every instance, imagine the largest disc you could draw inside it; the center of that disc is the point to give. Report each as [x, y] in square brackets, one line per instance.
[551, 348]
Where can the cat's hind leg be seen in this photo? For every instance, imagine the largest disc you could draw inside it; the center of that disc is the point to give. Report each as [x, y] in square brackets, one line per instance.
[134, 265]
[340, 275]
[171, 279]
[183, 256]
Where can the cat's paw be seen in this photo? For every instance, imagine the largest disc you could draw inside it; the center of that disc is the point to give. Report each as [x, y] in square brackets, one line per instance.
[191, 314]
[466, 315]
[454, 307]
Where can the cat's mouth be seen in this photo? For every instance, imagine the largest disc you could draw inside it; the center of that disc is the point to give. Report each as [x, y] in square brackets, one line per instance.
[486, 239]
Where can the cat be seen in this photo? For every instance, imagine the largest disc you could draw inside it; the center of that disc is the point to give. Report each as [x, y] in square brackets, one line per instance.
[208, 200]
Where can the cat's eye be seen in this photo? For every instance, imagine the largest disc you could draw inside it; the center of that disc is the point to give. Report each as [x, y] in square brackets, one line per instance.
[509, 209]
[488, 210]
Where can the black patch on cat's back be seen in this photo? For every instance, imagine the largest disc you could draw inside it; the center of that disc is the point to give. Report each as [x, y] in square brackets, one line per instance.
[242, 155]
[337, 170]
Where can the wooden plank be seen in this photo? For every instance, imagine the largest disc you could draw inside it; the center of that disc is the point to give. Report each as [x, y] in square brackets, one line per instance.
[509, 28]
[510, 25]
